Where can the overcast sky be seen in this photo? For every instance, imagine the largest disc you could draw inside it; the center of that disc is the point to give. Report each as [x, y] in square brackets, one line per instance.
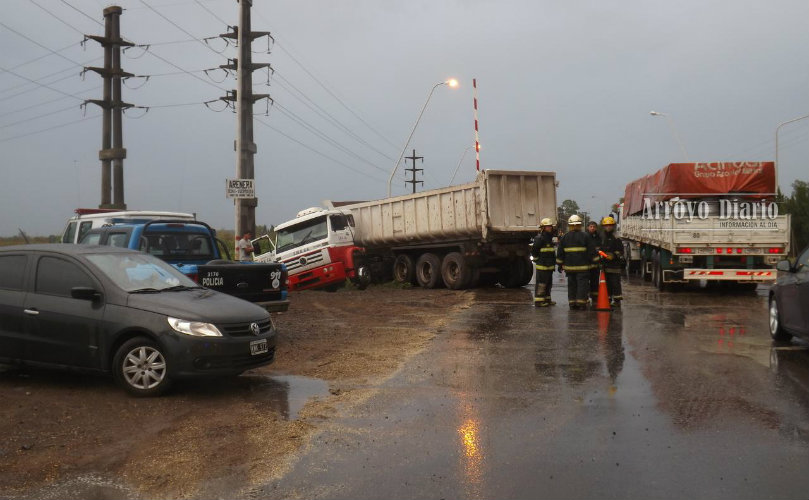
[564, 86]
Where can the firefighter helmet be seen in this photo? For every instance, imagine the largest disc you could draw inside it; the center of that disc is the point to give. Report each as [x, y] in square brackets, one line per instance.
[608, 221]
[546, 222]
[574, 220]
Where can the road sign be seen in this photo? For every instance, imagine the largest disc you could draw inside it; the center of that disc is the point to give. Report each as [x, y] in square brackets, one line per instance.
[240, 188]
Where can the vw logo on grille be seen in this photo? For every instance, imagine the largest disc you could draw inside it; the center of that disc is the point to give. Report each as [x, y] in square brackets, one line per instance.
[303, 261]
[254, 329]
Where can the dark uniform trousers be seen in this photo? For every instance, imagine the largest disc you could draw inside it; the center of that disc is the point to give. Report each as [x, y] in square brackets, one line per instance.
[543, 253]
[613, 247]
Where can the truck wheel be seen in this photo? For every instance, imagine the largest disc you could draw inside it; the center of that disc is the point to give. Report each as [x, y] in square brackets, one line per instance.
[428, 271]
[455, 271]
[404, 269]
[140, 367]
[657, 269]
[512, 273]
[528, 271]
[644, 269]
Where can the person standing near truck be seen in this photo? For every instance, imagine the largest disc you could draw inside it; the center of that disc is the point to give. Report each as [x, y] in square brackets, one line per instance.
[575, 256]
[614, 261]
[592, 233]
[543, 253]
[244, 248]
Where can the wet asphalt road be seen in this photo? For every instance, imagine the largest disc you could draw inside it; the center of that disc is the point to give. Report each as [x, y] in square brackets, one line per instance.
[678, 395]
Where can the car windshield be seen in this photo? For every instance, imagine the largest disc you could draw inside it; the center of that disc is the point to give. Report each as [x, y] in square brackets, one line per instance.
[301, 234]
[140, 272]
[177, 245]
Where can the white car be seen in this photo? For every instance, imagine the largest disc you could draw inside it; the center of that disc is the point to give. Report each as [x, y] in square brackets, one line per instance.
[90, 218]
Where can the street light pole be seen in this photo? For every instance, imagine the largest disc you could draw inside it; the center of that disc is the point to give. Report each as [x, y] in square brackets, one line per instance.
[673, 131]
[451, 83]
[776, 145]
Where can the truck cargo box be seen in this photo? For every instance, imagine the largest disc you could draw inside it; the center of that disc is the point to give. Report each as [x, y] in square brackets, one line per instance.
[500, 204]
[696, 180]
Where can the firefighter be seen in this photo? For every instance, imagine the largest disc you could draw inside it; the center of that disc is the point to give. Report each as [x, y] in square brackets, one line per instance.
[614, 261]
[575, 256]
[592, 232]
[543, 253]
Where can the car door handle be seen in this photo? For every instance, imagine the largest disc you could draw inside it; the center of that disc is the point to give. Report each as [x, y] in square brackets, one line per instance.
[31, 312]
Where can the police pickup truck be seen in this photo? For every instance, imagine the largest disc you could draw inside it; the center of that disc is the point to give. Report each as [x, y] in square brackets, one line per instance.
[192, 248]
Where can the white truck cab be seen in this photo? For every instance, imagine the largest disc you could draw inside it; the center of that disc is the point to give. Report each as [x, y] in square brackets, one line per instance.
[90, 218]
[318, 249]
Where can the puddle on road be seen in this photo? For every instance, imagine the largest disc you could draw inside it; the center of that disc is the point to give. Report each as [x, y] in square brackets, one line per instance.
[287, 394]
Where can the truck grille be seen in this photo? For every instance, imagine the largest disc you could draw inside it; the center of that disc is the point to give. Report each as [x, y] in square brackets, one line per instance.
[304, 261]
[243, 329]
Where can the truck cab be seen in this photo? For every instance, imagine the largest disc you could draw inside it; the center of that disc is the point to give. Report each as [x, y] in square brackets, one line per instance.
[193, 248]
[318, 250]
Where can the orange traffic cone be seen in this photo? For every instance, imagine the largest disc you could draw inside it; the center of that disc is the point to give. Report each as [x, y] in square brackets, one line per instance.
[603, 303]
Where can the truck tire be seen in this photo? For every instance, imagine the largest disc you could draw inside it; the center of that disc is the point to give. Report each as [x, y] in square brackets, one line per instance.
[657, 271]
[428, 271]
[527, 271]
[512, 273]
[404, 269]
[644, 269]
[455, 271]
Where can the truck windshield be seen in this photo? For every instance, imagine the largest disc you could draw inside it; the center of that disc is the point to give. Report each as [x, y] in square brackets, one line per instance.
[301, 234]
[177, 246]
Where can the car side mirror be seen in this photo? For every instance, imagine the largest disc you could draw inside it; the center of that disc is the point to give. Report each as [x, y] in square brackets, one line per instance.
[84, 293]
[784, 265]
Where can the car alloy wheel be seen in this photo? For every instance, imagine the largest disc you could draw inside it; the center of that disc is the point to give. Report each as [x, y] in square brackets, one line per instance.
[144, 368]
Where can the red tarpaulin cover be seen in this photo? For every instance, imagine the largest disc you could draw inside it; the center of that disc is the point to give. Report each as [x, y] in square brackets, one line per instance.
[698, 180]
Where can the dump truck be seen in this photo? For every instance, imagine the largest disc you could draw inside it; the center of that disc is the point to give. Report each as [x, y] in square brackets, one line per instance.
[717, 222]
[456, 237]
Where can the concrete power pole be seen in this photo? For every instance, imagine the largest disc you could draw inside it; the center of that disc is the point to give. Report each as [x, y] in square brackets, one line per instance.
[244, 99]
[112, 151]
[413, 181]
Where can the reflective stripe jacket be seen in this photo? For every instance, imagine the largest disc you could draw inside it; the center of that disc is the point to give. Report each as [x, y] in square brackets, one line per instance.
[613, 247]
[543, 252]
[597, 243]
[576, 252]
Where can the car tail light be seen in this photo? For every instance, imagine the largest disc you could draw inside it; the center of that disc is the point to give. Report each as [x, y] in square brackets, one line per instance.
[685, 250]
[194, 277]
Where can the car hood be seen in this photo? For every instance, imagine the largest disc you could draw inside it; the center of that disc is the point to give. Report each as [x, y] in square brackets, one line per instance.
[198, 305]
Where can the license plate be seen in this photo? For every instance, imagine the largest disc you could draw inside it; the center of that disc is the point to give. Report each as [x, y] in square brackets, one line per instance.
[258, 347]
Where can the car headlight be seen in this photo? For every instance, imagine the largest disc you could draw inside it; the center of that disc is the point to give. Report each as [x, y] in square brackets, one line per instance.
[194, 328]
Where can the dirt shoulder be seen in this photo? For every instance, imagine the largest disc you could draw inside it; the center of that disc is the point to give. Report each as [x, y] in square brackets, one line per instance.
[68, 435]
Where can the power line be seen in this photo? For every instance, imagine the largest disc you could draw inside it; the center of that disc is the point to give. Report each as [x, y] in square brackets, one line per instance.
[38, 44]
[324, 136]
[279, 131]
[202, 41]
[38, 116]
[57, 18]
[49, 128]
[41, 84]
[24, 84]
[83, 13]
[328, 117]
[209, 11]
[43, 103]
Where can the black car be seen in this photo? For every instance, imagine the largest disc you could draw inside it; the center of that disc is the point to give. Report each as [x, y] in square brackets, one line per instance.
[789, 299]
[109, 309]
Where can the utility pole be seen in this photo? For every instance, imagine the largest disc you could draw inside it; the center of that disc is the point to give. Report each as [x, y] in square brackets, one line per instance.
[244, 99]
[413, 181]
[112, 151]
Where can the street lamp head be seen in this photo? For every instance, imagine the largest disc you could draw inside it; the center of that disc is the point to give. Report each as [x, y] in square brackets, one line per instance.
[452, 82]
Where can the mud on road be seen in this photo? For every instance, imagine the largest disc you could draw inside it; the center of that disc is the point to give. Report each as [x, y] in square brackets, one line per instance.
[69, 435]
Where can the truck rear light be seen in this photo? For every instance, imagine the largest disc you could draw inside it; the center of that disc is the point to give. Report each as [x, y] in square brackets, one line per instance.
[718, 250]
[730, 250]
[684, 250]
[738, 250]
[775, 250]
